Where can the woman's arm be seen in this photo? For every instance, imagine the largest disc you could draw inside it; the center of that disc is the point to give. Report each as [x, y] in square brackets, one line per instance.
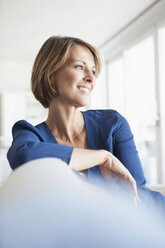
[82, 159]
[125, 150]
[31, 143]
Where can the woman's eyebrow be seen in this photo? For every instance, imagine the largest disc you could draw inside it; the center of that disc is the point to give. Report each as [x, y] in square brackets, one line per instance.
[79, 60]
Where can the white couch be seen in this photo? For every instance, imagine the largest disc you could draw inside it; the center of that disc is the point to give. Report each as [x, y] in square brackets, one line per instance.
[65, 211]
[5, 171]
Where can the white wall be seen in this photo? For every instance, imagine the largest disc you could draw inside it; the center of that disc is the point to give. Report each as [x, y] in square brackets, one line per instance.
[15, 75]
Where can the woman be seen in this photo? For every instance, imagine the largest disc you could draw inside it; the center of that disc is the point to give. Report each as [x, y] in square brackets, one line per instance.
[97, 142]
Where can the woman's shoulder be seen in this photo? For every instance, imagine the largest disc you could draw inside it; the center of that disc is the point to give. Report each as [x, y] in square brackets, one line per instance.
[108, 119]
[25, 126]
[104, 114]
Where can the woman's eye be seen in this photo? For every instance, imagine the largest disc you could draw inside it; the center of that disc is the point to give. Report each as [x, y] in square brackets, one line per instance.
[79, 66]
[94, 72]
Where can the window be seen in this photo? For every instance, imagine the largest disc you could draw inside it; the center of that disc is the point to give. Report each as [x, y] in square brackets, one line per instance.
[136, 85]
[132, 93]
[116, 85]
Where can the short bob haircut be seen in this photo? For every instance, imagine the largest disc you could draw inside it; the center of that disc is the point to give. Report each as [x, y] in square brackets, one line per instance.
[50, 58]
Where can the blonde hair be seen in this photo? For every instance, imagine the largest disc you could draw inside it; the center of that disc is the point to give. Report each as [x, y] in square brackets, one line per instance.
[50, 58]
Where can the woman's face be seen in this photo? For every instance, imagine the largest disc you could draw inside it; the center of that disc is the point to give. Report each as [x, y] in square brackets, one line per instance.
[74, 82]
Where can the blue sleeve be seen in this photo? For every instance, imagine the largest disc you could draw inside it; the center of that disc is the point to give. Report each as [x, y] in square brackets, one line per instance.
[29, 144]
[124, 149]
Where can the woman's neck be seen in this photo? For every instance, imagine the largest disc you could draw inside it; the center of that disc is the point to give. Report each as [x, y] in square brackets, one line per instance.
[65, 122]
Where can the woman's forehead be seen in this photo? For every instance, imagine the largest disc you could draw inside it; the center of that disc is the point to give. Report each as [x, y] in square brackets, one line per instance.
[81, 53]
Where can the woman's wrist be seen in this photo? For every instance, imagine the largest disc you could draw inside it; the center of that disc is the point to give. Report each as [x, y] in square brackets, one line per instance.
[86, 158]
[105, 156]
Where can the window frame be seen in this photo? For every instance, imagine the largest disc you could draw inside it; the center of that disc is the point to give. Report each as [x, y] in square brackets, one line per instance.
[125, 41]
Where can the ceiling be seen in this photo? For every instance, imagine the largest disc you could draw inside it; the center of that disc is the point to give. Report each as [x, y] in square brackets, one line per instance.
[26, 24]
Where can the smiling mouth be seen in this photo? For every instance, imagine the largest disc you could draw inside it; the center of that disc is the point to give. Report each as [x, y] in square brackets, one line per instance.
[84, 89]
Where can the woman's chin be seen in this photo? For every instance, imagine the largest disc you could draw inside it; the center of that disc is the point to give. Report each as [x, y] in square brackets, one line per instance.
[82, 104]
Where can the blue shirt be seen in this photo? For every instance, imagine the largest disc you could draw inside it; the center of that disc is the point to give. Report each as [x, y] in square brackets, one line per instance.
[105, 129]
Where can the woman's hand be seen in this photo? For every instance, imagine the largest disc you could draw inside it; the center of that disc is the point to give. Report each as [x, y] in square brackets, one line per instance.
[110, 166]
[113, 169]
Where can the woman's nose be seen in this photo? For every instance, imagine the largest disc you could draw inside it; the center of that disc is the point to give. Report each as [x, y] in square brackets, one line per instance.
[89, 77]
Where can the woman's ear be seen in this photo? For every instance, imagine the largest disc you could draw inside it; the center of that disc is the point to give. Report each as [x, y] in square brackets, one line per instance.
[52, 79]
[52, 83]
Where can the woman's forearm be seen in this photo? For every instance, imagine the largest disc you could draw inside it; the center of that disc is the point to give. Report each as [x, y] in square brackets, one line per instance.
[83, 159]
